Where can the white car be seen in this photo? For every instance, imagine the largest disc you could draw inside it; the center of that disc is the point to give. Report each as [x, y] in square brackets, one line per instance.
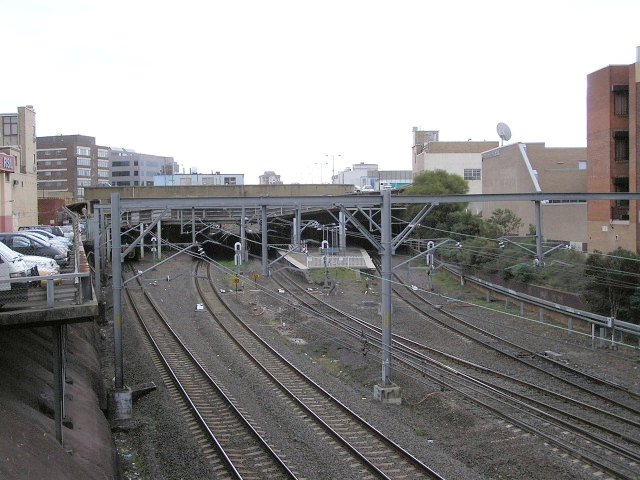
[55, 239]
[68, 232]
[44, 265]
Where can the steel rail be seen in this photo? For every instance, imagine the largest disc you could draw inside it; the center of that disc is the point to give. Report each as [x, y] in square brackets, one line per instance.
[325, 397]
[199, 416]
[630, 455]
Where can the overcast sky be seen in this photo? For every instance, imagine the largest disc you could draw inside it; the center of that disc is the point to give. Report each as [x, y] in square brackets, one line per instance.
[249, 86]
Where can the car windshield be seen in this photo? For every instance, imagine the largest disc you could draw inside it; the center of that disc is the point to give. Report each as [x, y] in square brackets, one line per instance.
[37, 239]
[8, 253]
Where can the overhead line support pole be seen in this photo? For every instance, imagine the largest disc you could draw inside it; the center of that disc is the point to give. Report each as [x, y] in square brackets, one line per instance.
[539, 254]
[116, 277]
[386, 288]
[265, 243]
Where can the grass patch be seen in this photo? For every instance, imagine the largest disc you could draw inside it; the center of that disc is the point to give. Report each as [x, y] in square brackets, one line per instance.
[445, 283]
[340, 274]
[419, 432]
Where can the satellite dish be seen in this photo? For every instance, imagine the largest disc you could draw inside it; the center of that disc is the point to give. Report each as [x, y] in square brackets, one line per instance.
[504, 132]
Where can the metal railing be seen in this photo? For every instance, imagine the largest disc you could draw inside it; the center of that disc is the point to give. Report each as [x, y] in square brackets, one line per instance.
[591, 318]
[82, 281]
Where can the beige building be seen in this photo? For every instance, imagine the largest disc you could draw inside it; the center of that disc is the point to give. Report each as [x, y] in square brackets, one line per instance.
[18, 191]
[460, 158]
[530, 168]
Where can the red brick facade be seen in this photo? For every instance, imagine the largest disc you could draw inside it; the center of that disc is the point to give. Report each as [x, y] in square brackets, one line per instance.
[611, 168]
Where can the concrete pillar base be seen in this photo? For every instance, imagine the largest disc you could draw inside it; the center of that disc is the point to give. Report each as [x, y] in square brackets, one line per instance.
[121, 404]
[388, 394]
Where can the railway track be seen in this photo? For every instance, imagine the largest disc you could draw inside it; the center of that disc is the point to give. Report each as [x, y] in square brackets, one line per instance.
[373, 455]
[616, 395]
[233, 446]
[571, 424]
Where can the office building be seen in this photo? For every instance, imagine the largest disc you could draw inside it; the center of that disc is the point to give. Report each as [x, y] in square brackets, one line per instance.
[460, 158]
[128, 168]
[18, 192]
[613, 113]
[534, 167]
[185, 179]
[269, 178]
[69, 163]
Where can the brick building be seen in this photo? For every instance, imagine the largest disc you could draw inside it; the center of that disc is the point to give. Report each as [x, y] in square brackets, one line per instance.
[613, 114]
[69, 163]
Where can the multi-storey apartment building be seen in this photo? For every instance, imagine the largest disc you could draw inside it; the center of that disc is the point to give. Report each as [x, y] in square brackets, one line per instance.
[131, 169]
[69, 163]
[18, 189]
[613, 141]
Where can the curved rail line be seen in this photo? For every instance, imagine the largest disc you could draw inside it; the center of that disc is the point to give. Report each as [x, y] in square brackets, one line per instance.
[407, 351]
[240, 450]
[596, 386]
[377, 454]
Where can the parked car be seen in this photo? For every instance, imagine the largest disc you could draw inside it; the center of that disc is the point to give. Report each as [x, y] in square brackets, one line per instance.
[52, 238]
[68, 232]
[56, 243]
[42, 266]
[31, 244]
[56, 230]
[12, 265]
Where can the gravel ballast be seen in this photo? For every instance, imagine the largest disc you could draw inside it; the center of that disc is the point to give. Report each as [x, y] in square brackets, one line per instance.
[454, 437]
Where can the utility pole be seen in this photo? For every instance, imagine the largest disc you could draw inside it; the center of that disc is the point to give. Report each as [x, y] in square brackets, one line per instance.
[333, 165]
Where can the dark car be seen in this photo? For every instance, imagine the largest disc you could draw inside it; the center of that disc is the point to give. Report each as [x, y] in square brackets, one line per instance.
[57, 231]
[26, 244]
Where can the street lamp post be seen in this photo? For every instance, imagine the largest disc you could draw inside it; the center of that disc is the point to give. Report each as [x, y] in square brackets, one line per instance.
[333, 165]
[320, 163]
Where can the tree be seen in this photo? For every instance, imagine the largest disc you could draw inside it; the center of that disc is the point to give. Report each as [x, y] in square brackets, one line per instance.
[438, 182]
[506, 221]
[614, 284]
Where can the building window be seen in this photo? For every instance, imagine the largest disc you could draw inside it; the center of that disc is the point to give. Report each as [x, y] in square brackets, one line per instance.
[229, 180]
[84, 172]
[621, 100]
[103, 163]
[84, 162]
[10, 126]
[121, 174]
[120, 164]
[102, 153]
[83, 151]
[621, 139]
[582, 165]
[103, 173]
[472, 174]
[80, 192]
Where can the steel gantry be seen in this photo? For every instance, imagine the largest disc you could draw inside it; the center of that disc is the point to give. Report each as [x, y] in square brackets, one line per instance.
[264, 208]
